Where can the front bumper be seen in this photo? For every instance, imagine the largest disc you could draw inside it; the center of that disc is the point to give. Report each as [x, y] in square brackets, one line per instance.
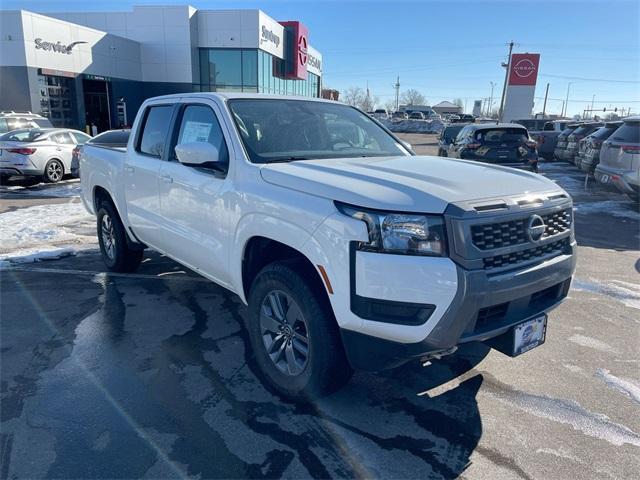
[589, 161]
[484, 307]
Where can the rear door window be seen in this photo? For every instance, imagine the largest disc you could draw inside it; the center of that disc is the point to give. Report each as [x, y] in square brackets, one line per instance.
[629, 132]
[63, 138]
[155, 130]
[80, 138]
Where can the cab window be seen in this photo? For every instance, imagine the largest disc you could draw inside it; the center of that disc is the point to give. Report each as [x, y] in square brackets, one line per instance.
[199, 124]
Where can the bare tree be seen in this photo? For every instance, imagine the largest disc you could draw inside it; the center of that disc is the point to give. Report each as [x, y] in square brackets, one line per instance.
[360, 98]
[353, 96]
[390, 106]
[412, 97]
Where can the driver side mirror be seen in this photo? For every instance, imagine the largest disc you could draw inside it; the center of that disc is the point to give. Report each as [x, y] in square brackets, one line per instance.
[199, 154]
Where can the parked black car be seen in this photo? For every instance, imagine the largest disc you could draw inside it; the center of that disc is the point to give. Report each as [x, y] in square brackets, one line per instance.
[110, 139]
[591, 157]
[533, 124]
[560, 152]
[506, 144]
[573, 140]
[447, 137]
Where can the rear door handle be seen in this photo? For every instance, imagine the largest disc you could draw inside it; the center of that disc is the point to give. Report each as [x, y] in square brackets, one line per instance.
[129, 169]
[166, 178]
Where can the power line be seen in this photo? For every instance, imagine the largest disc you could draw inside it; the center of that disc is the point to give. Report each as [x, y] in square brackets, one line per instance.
[589, 101]
[583, 79]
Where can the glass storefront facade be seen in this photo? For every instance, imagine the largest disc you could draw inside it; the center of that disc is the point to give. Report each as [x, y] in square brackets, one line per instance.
[57, 95]
[250, 70]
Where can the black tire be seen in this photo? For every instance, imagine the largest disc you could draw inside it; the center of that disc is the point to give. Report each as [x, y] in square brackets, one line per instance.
[53, 171]
[326, 368]
[117, 255]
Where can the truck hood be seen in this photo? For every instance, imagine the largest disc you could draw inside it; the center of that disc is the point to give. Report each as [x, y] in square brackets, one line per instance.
[405, 183]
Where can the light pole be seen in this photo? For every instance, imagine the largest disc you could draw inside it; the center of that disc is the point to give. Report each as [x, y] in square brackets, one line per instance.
[493, 84]
[592, 100]
[566, 103]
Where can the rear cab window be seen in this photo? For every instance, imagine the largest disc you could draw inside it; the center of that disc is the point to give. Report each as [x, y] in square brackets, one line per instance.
[629, 132]
[502, 135]
[154, 131]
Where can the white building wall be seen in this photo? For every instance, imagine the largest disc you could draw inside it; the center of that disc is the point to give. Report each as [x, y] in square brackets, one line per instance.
[102, 54]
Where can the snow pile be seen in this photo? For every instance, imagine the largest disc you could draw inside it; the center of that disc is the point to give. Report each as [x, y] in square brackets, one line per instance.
[60, 190]
[34, 255]
[413, 126]
[628, 387]
[27, 232]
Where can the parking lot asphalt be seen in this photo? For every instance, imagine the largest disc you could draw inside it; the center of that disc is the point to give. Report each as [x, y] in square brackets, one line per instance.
[149, 375]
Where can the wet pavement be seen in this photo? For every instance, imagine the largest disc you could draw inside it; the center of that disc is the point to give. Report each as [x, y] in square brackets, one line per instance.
[149, 375]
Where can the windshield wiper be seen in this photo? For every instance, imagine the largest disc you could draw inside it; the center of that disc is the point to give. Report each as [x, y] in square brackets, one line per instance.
[288, 159]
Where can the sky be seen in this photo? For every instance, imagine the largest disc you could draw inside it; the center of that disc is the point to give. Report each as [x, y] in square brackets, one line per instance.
[453, 49]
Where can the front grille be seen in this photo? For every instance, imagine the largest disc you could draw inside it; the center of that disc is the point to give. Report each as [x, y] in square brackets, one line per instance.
[514, 232]
[491, 315]
[499, 261]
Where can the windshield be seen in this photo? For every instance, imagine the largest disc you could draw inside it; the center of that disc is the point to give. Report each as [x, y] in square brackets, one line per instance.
[450, 133]
[287, 130]
[22, 136]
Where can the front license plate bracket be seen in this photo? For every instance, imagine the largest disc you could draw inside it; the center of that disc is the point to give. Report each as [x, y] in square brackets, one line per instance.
[522, 337]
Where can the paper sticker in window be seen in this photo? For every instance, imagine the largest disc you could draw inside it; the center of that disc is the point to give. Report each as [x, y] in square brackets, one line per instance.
[195, 132]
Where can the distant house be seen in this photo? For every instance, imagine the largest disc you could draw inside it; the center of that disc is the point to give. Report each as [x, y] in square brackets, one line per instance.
[447, 107]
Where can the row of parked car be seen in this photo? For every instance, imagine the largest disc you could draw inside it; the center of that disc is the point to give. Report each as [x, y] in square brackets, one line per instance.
[31, 147]
[608, 151]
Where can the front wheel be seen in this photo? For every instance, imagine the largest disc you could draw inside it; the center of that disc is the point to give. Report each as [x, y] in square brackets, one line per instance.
[294, 335]
[117, 255]
[53, 171]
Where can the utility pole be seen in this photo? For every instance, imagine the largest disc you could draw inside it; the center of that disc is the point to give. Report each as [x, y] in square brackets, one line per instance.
[546, 95]
[566, 103]
[592, 100]
[506, 77]
[397, 87]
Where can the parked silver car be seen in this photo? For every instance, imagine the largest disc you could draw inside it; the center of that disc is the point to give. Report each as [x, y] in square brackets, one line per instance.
[10, 120]
[620, 158]
[42, 152]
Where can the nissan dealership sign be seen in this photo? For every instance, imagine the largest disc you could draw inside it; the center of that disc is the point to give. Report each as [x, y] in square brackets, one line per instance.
[524, 68]
[55, 47]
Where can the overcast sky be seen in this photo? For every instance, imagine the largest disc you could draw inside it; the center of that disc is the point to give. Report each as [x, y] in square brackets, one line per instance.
[453, 49]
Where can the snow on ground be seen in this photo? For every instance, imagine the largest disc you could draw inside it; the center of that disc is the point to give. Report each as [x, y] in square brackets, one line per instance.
[625, 292]
[413, 126]
[34, 255]
[617, 208]
[70, 188]
[628, 387]
[26, 232]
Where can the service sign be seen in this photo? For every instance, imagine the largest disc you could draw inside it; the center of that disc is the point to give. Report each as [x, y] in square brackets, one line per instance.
[524, 68]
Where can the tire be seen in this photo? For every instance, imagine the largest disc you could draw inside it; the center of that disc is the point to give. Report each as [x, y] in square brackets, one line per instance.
[53, 171]
[117, 255]
[305, 312]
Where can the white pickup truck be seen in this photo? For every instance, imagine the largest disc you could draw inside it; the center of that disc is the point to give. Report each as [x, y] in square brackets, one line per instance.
[350, 251]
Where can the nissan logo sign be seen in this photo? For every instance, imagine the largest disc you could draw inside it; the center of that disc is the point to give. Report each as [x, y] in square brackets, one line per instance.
[55, 47]
[536, 228]
[524, 68]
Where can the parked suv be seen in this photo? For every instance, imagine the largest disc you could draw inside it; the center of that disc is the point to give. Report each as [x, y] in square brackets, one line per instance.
[620, 158]
[588, 159]
[43, 152]
[505, 144]
[574, 139]
[17, 120]
[559, 152]
[447, 137]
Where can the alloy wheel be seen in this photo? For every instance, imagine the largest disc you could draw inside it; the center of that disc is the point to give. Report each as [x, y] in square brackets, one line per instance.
[284, 332]
[108, 237]
[54, 171]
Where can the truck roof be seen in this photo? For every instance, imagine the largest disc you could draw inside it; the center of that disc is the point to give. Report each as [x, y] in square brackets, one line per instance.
[238, 95]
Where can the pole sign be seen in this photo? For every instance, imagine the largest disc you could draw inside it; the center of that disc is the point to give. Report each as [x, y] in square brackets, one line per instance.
[524, 68]
[521, 86]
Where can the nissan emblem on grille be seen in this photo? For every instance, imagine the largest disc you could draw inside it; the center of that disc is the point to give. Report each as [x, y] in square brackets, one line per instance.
[535, 228]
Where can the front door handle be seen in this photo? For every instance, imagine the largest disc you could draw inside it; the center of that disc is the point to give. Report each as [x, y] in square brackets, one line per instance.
[129, 169]
[166, 178]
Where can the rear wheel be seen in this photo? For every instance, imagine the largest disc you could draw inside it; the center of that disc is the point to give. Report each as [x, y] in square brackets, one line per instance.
[117, 255]
[294, 335]
[53, 171]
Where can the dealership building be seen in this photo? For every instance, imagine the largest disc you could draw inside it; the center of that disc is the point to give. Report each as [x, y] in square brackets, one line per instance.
[97, 68]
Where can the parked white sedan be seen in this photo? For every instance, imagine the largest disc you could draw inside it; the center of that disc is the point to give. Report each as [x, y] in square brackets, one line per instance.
[42, 152]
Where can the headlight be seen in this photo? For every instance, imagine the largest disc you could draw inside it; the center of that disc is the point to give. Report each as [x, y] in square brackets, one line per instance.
[400, 233]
